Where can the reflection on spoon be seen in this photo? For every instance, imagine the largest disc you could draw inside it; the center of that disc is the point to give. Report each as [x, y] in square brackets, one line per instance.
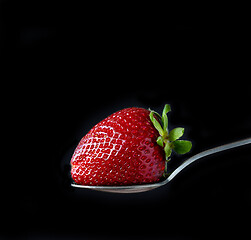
[148, 187]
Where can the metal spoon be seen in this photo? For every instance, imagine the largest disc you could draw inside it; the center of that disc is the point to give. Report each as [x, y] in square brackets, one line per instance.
[148, 187]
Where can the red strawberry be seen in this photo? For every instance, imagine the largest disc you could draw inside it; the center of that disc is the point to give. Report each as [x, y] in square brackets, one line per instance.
[125, 148]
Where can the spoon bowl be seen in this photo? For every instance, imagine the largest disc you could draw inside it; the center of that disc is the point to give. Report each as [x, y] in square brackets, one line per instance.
[124, 189]
[148, 187]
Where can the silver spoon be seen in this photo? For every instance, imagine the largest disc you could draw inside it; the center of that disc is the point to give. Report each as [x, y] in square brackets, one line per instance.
[148, 187]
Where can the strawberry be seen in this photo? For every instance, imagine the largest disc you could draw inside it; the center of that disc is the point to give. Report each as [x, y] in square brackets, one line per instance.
[131, 146]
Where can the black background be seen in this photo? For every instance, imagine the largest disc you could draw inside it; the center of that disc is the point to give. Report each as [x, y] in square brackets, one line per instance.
[65, 66]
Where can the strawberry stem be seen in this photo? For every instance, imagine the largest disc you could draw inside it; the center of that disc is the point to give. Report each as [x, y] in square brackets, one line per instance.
[169, 141]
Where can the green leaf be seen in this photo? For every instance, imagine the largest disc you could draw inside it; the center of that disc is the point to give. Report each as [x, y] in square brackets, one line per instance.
[168, 151]
[165, 123]
[176, 133]
[182, 146]
[155, 113]
[156, 124]
[160, 141]
[166, 109]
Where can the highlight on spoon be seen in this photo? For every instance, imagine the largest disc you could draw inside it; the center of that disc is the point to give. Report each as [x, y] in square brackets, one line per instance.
[121, 189]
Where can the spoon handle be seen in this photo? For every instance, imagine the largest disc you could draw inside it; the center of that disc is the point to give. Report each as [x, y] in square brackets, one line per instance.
[209, 152]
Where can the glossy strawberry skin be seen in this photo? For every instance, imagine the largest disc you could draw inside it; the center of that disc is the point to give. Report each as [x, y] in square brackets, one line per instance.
[120, 150]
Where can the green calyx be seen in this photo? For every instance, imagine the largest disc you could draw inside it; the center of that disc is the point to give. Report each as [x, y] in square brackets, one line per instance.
[169, 140]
